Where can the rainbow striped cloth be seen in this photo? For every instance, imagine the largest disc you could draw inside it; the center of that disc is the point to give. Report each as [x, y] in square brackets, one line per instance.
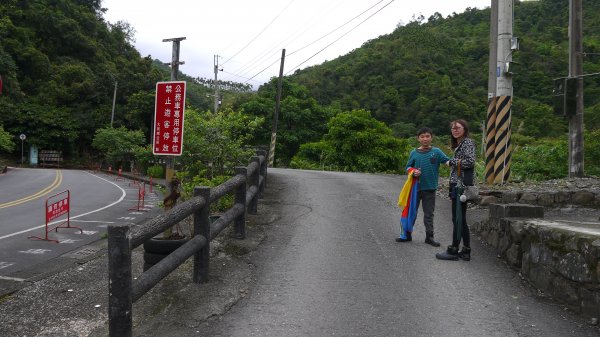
[407, 201]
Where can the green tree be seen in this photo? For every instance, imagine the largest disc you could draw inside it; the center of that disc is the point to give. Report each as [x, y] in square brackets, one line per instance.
[301, 119]
[215, 143]
[6, 142]
[119, 144]
[356, 142]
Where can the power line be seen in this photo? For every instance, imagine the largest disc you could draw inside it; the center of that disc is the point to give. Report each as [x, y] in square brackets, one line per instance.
[309, 44]
[260, 33]
[339, 27]
[267, 54]
[329, 45]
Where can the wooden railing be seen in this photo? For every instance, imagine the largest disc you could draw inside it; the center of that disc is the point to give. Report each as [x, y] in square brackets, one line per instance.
[247, 184]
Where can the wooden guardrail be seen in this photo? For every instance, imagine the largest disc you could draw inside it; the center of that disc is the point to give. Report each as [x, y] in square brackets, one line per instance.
[247, 185]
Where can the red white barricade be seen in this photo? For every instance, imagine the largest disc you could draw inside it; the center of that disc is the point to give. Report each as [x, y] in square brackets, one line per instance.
[140, 202]
[57, 206]
[119, 175]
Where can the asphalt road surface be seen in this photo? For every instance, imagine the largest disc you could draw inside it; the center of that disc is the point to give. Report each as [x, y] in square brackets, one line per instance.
[331, 267]
[96, 200]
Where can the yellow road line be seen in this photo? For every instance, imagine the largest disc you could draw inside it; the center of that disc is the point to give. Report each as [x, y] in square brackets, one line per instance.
[57, 181]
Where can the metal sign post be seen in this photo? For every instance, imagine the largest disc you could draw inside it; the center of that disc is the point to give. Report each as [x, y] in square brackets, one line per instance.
[22, 137]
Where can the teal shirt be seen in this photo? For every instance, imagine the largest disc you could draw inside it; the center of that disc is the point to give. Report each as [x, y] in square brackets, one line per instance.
[428, 162]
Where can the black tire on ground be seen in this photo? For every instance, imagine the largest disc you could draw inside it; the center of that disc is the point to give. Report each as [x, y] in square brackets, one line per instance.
[153, 258]
[147, 266]
[163, 246]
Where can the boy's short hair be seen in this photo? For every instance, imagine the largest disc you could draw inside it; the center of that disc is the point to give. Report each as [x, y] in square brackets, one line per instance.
[424, 130]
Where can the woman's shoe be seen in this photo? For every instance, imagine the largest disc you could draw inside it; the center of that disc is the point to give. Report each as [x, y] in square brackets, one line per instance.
[451, 254]
[465, 253]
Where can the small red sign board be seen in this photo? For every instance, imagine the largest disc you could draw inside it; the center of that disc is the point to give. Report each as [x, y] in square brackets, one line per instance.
[57, 208]
[168, 118]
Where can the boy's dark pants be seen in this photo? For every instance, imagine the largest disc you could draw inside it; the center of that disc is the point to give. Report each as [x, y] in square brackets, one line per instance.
[427, 200]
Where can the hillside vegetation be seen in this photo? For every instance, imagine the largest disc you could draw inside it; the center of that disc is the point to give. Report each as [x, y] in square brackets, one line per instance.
[60, 59]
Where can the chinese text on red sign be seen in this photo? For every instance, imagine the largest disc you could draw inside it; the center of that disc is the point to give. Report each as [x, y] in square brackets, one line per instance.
[168, 118]
[57, 209]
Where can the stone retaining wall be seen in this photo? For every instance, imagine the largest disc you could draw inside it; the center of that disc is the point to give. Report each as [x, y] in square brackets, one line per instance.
[585, 198]
[560, 259]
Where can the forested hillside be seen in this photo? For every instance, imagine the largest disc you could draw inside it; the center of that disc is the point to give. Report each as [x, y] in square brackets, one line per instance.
[60, 60]
[433, 70]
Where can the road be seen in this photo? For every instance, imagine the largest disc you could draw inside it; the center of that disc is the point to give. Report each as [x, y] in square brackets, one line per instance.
[331, 267]
[96, 200]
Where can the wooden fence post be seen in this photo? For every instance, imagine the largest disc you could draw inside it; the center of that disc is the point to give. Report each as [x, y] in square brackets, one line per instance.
[263, 171]
[119, 282]
[240, 198]
[202, 227]
[254, 179]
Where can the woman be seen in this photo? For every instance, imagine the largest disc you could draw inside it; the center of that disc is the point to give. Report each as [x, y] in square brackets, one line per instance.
[462, 163]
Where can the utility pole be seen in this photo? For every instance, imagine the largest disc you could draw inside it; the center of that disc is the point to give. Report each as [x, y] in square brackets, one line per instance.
[276, 113]
[170, 171]
[216, 64]
[576, 159]
[504, 93]
[490, 127]
[112, 115]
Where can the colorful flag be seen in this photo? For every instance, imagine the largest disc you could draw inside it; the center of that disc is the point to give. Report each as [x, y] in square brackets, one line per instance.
[407, 200]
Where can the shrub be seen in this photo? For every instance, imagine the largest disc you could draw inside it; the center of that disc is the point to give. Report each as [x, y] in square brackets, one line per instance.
[548, 159]
[155, 171]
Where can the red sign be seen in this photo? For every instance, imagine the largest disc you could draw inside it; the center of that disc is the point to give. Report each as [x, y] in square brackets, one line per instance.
[168, 118]
[57, 209]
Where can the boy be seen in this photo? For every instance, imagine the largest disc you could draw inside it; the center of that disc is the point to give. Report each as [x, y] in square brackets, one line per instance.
[425, 162]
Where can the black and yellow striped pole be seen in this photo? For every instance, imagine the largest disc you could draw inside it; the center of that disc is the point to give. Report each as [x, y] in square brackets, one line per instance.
[490, 141]
[490, 125]
[272, 149]
[504, 93]
[502, 149]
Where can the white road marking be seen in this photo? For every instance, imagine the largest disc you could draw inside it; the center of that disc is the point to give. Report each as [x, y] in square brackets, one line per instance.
[12, 279]
[5, 264]
[35, 251]
[123, 194]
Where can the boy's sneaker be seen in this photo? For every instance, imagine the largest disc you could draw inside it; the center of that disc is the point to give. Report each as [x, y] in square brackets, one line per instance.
[430, 241]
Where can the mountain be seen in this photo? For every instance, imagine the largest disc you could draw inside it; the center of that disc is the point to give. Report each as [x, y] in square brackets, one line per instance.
[429, 72]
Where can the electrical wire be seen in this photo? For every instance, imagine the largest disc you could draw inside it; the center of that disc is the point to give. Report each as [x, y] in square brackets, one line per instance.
[339, 27]
[260, 33]
[259, 59]
[329, 45]
[309, 44]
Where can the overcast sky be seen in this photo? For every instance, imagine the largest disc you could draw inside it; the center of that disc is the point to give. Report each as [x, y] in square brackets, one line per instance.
[249, 35]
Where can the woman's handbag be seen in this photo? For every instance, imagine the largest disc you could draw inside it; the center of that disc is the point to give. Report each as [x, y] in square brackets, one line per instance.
[471, 192]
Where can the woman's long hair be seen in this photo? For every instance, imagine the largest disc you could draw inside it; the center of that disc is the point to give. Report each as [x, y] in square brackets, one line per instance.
[465, 125]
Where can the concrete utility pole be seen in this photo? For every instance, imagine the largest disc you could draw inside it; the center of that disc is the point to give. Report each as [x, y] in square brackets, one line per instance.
[170, 171]
[216, 64]
[276, 113]
[504, 93]
[576, 158]
[112, 115]
[490, 129]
